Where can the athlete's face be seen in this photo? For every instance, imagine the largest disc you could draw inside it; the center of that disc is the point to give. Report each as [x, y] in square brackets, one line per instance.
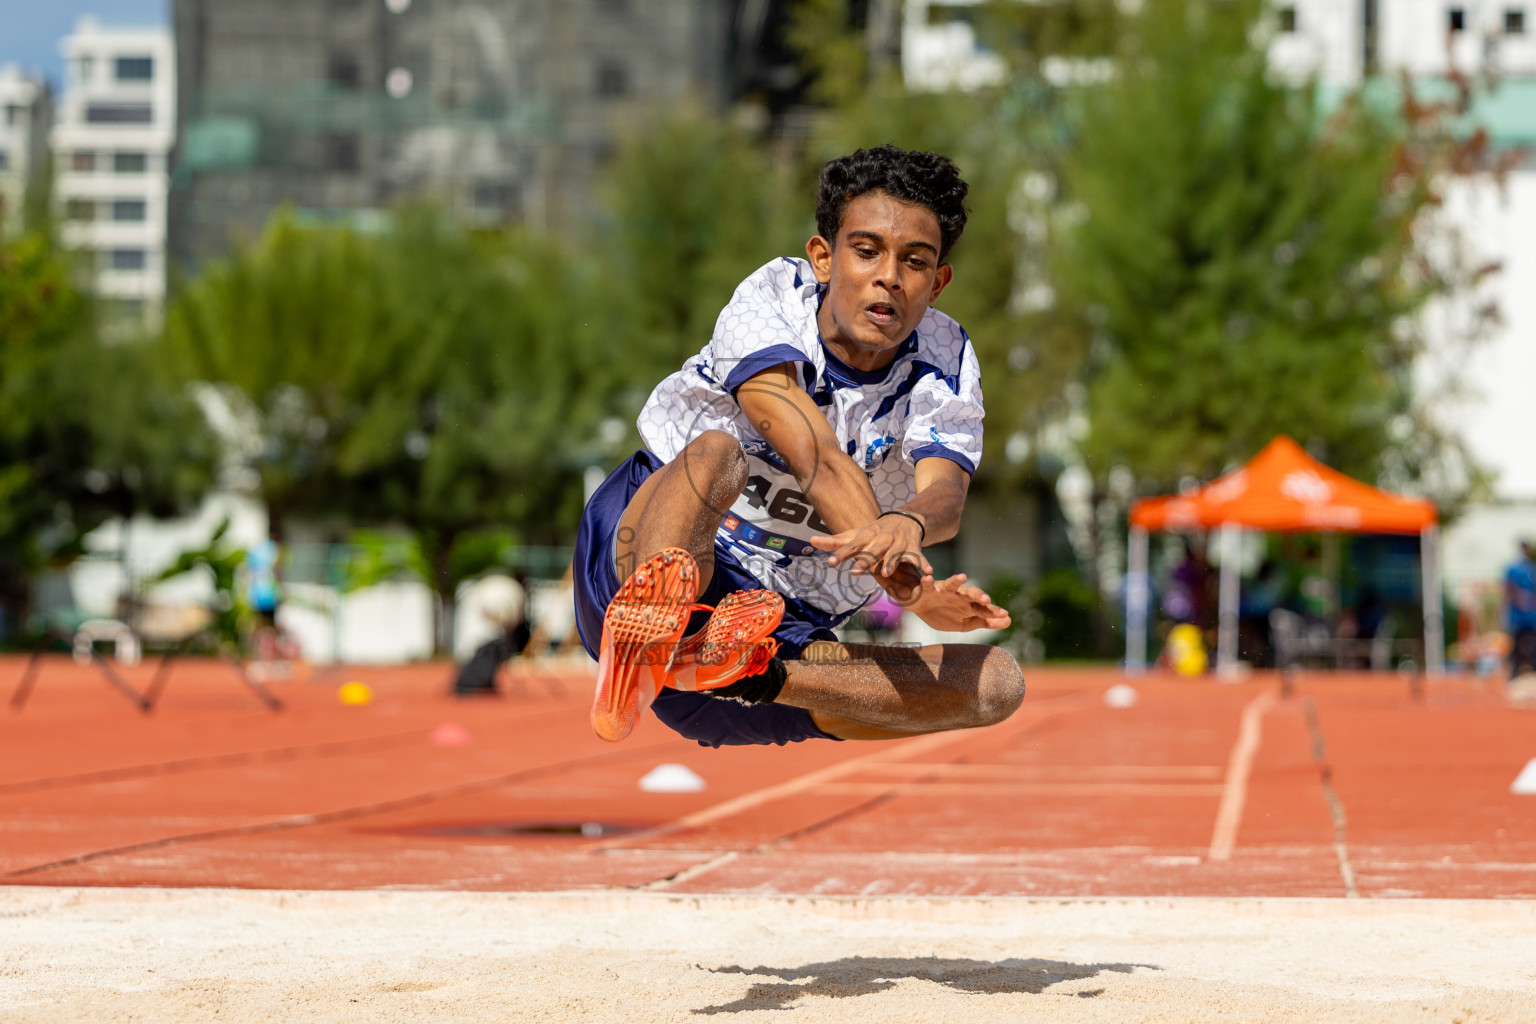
[882, 273]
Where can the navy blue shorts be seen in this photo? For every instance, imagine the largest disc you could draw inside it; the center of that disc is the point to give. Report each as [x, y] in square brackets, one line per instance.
[711, 721]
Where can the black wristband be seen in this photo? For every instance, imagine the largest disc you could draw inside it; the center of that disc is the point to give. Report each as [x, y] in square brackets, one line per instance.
[898, 512]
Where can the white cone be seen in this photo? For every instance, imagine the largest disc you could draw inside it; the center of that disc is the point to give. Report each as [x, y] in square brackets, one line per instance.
[671, 778]
[1525, 782]
[1120, 696]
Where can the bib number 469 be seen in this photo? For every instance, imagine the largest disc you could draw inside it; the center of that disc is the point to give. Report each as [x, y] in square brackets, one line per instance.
[787, 505]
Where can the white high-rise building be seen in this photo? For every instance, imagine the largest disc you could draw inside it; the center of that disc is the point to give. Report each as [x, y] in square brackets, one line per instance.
[24, 112]
[1341, 43]
[111, 143]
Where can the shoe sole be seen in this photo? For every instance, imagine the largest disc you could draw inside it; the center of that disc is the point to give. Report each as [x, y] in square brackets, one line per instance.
[641, 628]
[741, 620]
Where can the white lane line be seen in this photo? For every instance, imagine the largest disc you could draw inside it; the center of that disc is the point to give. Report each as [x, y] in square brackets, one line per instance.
[1234, 794]
[885, 752]
[1066, 773]
[718, 860]
[1331, 795]
[983, 788]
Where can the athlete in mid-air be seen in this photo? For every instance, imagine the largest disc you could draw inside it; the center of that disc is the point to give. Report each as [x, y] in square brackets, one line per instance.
[794, 468]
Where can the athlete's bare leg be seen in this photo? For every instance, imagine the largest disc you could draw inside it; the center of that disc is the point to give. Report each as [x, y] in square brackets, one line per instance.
[855, 691]
[867, 692]
[682, 503]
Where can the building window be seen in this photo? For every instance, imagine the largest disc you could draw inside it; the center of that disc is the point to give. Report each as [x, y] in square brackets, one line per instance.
[1514, 21]
[1457, 19]
[1287, 19]
[344, 73]
[128, 259]
[135, 69]
[5, 160]
[130, 163]
[612, 80]
[119, 113]
[82, 160]
[79, 210]
[497, 196]
[12, 114]
[342, 153]
[130, 210]
[122, 311]
[84, 67]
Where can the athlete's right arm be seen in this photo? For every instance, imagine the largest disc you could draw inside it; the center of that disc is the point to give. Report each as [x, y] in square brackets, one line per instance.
[790, 420]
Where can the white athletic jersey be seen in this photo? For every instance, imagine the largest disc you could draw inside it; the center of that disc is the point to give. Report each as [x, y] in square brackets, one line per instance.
[927, 403]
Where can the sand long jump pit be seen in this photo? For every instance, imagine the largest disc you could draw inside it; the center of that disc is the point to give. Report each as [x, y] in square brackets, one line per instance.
[173, 955]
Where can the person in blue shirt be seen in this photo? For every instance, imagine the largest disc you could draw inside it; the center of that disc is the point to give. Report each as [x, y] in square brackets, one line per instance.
[262, 590]
[1520, 610]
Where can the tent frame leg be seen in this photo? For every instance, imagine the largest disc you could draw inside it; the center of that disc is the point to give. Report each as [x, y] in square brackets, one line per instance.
[1138, 598]
[1434, 625]
[1230, 539]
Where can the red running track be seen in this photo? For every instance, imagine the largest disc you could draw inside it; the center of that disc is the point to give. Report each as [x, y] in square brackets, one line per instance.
[1349, 785]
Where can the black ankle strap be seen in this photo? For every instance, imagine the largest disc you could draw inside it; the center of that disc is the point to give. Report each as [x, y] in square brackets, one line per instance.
[762, 688]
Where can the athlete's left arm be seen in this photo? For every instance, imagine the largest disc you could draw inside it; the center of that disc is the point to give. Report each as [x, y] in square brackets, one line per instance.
[942, 485]
[935, 517]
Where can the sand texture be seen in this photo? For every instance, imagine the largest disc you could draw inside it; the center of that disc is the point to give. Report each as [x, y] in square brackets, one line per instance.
[198, 955]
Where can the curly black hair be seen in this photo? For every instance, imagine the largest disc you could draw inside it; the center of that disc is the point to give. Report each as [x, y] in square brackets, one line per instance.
[911, 176]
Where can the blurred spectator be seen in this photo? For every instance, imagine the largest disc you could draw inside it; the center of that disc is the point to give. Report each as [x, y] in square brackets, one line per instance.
[261, 584]
[1187, 597]
[507, 608]
[274, 651]
[1358, 624]
[554, 631]
[884, 617]
[1520, 610]
[1255, 601]
[878, 622]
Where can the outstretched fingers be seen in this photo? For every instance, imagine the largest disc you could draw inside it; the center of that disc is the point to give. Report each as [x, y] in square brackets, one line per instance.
[874, 548]
[972, 605]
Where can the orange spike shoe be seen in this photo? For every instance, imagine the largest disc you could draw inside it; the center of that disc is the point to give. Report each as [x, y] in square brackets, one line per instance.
[641, 630]
[736, 642]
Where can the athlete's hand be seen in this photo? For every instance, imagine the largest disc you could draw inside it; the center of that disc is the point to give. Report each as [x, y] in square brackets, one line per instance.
[955, 606]
[880, 547]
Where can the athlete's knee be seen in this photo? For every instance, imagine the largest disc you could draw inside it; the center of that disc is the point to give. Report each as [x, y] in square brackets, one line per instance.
[717, 456]
[1000, 688]
[720, 450]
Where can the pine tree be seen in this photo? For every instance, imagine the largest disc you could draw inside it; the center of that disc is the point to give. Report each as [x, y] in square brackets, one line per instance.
[1238, 260]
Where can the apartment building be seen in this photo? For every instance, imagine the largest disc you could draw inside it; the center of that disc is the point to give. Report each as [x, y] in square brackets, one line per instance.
[25, 109]
[1341, 43]
[115, 128]
[504, 109]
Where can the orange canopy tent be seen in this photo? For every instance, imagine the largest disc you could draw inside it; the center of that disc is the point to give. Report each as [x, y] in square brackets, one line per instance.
[1282, 489]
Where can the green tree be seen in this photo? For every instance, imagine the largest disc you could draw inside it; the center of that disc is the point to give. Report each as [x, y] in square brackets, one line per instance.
[695, 203]
[1008, 138]
[1240, 265]
[1173, 254]
[449, 382]
[89, 431]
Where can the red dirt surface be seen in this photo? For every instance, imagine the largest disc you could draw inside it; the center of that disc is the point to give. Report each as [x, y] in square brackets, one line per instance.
[1356, 785]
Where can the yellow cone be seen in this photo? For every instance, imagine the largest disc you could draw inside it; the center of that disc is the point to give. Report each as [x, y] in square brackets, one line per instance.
[355, 693]
[1186, 650]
